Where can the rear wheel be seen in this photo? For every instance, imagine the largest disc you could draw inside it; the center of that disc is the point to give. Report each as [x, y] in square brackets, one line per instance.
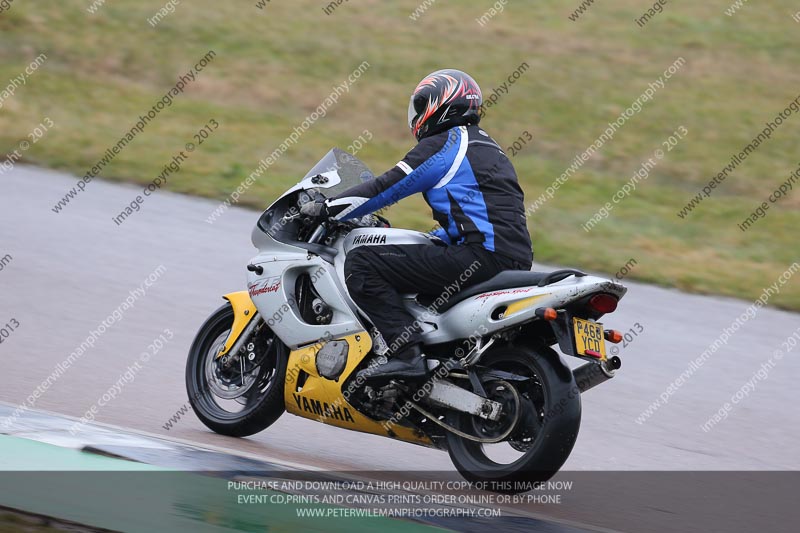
[545, 411]
[234, 395]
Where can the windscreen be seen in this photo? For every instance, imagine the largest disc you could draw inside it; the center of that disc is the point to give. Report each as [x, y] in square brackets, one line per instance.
[350, 169]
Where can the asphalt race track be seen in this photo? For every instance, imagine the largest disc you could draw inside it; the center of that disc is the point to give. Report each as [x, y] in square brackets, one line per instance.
[69, 271]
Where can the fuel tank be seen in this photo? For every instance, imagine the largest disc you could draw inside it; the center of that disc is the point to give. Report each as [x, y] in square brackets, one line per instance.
[385, 236]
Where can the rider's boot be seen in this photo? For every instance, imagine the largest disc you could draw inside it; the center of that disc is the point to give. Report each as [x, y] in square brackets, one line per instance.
[407, 365]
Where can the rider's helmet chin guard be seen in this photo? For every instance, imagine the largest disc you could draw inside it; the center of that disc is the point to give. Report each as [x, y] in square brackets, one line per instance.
[443, 99]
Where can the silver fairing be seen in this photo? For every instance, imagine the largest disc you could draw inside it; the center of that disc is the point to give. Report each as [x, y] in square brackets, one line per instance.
[384, 236]
[481, 315]
[273, 291]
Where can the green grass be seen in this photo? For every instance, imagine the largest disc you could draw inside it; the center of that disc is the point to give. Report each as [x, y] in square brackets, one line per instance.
[274, 66]
[13, 522]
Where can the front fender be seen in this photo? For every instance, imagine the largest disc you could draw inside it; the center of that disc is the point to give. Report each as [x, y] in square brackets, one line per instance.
[243, 312]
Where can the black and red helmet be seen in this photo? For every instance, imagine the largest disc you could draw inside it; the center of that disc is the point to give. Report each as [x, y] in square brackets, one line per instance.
[443, 99]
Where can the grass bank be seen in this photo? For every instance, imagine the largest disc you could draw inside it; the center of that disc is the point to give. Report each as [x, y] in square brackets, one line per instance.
[275, 65]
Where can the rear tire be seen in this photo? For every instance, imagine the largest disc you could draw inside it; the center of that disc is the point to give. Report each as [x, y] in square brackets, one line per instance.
[557, 403]
[263, 404]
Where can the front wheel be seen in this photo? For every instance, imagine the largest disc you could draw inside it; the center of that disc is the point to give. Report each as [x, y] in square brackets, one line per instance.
[545, 411]
[238, 394]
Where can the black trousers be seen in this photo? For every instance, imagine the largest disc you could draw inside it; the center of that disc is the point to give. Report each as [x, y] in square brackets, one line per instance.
[377, 276]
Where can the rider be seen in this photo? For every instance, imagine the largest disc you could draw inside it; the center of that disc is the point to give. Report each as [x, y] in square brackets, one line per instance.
[472, 188]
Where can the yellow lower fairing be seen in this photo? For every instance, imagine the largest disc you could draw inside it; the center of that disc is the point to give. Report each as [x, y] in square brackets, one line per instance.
[323, 400]
[243, 312]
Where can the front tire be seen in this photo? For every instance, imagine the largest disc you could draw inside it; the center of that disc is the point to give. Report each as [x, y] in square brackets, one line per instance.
[545, 433]
[260, 402]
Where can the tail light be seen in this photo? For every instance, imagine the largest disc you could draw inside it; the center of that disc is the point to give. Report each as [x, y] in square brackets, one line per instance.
[603, 303]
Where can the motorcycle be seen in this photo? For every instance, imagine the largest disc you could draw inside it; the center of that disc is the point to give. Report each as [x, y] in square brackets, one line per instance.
[499, 399]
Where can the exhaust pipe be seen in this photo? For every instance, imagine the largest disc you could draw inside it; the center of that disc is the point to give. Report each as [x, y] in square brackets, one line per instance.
[593, 374]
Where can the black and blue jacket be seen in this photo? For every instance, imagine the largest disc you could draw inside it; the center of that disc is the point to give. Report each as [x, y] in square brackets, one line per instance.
[468, 182]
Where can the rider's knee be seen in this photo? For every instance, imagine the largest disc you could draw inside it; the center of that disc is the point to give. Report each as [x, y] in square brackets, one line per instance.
[356, 266]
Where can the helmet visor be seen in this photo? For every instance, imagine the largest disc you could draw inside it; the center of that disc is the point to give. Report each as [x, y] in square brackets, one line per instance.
[412, 113]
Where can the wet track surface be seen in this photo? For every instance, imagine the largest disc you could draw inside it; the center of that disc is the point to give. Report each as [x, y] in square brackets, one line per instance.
[69, 271]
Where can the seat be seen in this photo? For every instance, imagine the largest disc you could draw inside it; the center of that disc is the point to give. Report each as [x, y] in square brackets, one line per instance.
[508, 279]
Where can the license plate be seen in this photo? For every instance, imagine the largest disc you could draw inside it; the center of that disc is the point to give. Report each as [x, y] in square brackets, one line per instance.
[589, 338]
